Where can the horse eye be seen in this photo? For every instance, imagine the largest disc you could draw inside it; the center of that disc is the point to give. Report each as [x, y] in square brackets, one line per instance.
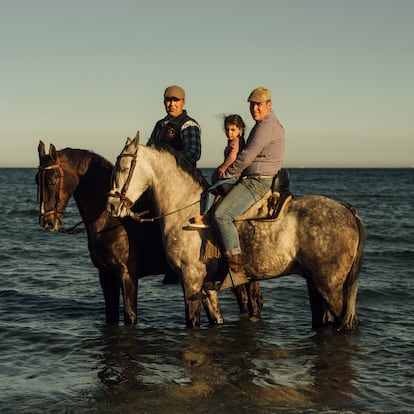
[123, 167]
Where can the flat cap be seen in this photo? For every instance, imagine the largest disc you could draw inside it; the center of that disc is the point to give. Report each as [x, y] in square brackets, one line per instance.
[259, 95]
[174, 91]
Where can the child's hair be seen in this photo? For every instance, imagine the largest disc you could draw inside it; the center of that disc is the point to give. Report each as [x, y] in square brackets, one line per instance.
[235, 120]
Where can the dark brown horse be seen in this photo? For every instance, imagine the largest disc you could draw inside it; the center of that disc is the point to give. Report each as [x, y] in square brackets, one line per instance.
[122, 250]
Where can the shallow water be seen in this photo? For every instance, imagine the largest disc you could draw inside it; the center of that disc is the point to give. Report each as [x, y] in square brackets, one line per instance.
[57, 354]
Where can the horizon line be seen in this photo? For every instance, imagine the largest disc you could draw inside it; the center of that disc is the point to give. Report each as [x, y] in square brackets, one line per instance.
[298, 167]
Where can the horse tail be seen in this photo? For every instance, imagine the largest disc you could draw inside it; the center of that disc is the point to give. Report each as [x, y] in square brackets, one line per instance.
[350, 318]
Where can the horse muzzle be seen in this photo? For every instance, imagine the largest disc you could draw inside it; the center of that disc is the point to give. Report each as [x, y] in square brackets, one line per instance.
[118, 205]
[50, 221]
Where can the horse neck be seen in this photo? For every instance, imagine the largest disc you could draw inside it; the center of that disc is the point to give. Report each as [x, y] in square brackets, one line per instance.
[91, 181]
[172, 187]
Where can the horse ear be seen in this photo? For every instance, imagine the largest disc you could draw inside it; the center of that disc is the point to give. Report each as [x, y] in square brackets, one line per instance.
[41, 150]
[52, 152]
[136, 139]
[128, 141]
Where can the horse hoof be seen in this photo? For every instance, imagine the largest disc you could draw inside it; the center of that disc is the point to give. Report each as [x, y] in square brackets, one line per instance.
[254, 318]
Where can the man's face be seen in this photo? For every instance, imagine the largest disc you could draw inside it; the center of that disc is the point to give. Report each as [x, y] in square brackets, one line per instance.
[174, 106]
[260, 110]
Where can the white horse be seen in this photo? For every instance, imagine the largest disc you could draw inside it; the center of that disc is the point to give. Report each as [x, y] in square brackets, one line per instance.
[317, 237]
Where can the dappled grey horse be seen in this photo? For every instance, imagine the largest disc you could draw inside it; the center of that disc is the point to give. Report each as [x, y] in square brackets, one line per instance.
[316, 237]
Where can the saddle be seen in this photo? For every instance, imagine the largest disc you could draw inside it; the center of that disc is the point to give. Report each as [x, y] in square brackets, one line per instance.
[273, 204]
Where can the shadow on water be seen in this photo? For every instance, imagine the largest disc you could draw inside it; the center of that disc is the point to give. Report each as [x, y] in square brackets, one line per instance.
[221, 370]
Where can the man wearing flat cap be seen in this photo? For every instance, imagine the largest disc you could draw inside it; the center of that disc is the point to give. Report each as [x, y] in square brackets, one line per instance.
[180, 132]
[256, 165]
[177, 129]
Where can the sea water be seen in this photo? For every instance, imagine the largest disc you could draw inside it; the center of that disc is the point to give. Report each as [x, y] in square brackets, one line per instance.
[57, 354]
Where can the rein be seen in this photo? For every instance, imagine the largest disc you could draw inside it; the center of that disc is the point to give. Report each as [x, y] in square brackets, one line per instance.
[140, 219]
[71, 230]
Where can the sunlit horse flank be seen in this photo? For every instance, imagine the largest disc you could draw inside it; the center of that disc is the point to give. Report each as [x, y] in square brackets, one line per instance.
[121, 249]
[319, 238]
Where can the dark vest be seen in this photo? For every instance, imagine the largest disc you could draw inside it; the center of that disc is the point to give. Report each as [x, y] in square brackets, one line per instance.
[170, 132]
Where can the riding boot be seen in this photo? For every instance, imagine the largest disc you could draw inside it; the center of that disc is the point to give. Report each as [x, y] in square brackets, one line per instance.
[236, 274]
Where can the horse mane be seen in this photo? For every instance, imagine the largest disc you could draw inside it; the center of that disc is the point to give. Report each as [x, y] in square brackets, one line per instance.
[101, 161]
[84, 158]
[183, 164]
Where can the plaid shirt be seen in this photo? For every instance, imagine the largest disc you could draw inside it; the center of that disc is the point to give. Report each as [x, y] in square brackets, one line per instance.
[191, 139]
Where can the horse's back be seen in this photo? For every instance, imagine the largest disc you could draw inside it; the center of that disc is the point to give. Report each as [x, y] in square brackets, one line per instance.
[313, 229]
[323, 211]
[328, 233]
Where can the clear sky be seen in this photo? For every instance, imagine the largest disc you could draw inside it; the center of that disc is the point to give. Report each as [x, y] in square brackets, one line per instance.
[89, 73]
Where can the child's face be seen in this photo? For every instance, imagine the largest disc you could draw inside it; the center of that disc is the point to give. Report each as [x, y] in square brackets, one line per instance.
[232, 131]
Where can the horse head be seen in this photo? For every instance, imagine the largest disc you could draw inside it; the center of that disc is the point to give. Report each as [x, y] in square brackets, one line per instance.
[129, 179]
[50, 189]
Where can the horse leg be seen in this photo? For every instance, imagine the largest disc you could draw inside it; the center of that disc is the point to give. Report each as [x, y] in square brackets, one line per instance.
[212, 306]
[110, 288]
[350, 320]
[250, 299]
[129, 287]
[170, 277]
[192, 309]
[321, 316]
[130, 292]
[242, 297]
[255, 299]
[192, 281]
[341, 300]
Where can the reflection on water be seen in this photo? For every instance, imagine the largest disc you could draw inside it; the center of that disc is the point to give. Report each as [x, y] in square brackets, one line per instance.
[229, 368]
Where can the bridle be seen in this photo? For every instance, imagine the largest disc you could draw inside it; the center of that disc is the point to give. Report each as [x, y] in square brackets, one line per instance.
[124, 200]
[127, 203]
[58, 209]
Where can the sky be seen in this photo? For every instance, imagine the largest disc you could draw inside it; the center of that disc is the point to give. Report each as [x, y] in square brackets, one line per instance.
[89, 73]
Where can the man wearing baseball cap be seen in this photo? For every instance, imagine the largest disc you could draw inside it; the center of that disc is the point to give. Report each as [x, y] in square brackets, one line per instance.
[177, 129]
[256, 165]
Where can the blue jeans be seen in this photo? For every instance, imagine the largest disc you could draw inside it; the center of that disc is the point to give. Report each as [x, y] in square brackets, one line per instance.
[241, 197]
[211, 192]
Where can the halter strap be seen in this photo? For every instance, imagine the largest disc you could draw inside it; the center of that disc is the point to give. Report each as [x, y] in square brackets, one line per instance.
[121, 195]
[42, 189]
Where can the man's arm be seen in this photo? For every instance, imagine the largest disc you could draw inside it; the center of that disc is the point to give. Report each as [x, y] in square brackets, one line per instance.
[191, 139]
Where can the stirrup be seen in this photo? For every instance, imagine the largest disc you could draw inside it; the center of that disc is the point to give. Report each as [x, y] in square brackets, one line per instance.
[198, 222]
[198, 226]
